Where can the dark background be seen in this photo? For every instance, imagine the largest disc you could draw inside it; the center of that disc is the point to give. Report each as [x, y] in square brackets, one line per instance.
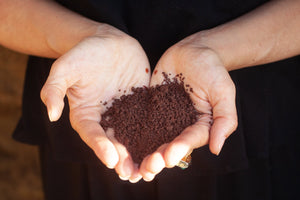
[19, 167]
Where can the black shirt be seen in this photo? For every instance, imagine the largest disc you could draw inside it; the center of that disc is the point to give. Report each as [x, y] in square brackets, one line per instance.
[267, 96]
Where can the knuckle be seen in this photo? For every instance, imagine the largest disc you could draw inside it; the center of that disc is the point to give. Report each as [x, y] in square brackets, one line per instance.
[232, 126]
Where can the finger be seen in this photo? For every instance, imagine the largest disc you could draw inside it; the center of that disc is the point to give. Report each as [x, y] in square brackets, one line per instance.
[224, 119]
[125, 166]
[154, 163]
[53, 97]
[94, 136]
[191, 138]
[136, 176]
[147, 176]
[54, 91]
[224, 123]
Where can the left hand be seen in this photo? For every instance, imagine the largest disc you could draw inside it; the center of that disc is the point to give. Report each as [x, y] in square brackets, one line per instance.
[213, 94]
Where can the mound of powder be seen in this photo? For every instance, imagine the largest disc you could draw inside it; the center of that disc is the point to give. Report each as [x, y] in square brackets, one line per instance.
[149, 117]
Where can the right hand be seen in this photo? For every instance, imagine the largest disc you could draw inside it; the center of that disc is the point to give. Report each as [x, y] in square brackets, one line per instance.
[93, 72]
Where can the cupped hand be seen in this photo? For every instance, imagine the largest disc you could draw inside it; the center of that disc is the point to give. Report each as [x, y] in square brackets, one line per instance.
[99, 68]
[213, 94]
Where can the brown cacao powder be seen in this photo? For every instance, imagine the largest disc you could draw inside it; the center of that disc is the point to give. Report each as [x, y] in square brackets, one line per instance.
[149, 117]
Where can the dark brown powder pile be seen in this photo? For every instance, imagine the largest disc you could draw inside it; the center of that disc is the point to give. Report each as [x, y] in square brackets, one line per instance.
[150, 117]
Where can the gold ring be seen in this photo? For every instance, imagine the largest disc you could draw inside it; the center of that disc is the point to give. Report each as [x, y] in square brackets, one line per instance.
[185, 162]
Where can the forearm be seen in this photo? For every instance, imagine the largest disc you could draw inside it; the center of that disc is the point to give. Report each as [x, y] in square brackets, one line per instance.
[41, 27]
[267, 34]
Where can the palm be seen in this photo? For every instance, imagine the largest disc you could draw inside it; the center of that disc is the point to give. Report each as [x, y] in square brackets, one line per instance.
[95, 71]
[213, 93]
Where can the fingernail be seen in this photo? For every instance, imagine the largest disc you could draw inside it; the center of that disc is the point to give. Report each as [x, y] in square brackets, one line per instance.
[110, 166]
[220, 146]
[149, 177]
[50, 114]
[112, 160]
[53, 114]
[124, 178]
[127, 171]
[135, 179]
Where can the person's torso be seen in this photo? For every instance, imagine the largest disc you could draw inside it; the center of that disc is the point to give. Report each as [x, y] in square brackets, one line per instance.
[158, 24]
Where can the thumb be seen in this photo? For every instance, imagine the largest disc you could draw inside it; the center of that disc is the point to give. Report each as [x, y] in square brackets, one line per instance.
[191, 138]
[54, 91]
[52, 96]
[224, 121]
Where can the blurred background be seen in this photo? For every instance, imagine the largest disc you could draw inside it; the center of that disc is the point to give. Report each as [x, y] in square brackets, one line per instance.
[19, 163]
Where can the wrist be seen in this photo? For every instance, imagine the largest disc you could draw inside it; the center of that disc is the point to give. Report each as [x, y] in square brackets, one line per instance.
[90, 30]
[62, 42]
[207, 43]
[210, 40]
